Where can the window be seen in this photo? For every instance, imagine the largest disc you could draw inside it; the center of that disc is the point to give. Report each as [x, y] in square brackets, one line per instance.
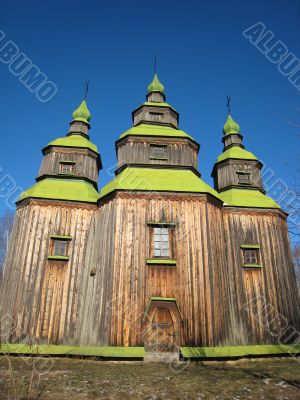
[156, 116]
[251, 255]
[244, 178]
[161, 242]
[66, 167]
[158, 152]
[60, 247]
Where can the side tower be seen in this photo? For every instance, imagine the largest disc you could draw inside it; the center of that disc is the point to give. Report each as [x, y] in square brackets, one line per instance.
[48, 246]
[263, 300]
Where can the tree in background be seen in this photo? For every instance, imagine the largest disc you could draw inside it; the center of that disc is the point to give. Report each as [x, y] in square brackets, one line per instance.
[6, 225]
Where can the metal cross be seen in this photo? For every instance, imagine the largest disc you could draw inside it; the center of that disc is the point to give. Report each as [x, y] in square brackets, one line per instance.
[228, 105]
[86, 91]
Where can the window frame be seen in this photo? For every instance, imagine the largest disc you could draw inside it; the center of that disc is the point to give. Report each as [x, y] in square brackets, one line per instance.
[159, 116]
[63, 164]
[170, 234]
[243, 173]
[251, 256]
[153, 156]
[55, 242]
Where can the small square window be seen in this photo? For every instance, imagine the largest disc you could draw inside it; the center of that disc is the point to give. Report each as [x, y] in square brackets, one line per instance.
[158, 152]
[244, 178]
[251, 256]
[66, 168]
[156, 116]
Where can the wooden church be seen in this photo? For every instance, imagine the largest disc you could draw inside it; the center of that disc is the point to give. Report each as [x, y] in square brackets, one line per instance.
[157, 259]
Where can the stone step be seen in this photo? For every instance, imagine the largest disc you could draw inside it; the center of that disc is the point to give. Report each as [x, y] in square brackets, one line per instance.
[162, 357]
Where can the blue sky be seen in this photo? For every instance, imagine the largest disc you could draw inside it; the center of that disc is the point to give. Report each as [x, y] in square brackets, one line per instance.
[202, 58]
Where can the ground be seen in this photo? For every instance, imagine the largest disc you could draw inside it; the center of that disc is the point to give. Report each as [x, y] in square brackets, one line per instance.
[86, 379]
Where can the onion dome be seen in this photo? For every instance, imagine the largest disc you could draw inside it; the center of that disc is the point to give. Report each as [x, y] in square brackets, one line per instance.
[82, 113]
[231, 127]
[156, 86]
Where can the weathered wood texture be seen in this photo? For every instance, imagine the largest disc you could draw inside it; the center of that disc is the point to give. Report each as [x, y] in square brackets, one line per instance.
[85, 162]
[138, 151]
[226, 174]
[163, 115]
[41, 295]
[211, 286]
[220, 302]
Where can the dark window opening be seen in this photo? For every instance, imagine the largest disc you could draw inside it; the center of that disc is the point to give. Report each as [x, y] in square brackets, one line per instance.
[251, 256]
[244, 178]
[60, 248]
[156, 116]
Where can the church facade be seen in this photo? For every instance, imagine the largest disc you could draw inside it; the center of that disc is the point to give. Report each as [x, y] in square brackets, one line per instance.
[157, 258]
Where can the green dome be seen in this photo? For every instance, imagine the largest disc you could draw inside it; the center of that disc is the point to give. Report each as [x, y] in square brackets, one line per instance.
[82, 113]
[231, 127]
[156, 86]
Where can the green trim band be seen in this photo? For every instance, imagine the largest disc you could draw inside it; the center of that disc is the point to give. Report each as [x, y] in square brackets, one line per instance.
[60, 237]
[162, 223]
[239, 351]
[92, 351]
[163, 299]
[66, 174]
[251, 266]
[59, 258]
[161, 262]
[250, 246]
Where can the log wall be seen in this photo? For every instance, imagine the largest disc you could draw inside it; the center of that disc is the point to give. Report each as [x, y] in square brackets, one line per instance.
[41, 295]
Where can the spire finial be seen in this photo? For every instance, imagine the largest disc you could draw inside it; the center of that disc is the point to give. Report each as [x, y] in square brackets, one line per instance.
[86, 90]
[228, 105]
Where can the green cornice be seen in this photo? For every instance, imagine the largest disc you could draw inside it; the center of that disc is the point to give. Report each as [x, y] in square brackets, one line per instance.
[153, 104]
[82, 113]
[236, 152]
[231, 127]
[164, 180]
[155, 130]
[74, 141]
[156, 86]
[62, 189]
[247, 198]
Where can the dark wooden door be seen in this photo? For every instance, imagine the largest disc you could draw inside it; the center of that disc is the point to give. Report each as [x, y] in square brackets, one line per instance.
[162, 333]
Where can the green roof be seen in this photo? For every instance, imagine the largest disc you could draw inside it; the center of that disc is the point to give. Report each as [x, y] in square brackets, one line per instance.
[155, 130]
[247, 198]
[82, 113]
[156, 85]
[154, 104]
[74, 141]
[62, 189]
[153, 179]
[231, 127]
[236, 152]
